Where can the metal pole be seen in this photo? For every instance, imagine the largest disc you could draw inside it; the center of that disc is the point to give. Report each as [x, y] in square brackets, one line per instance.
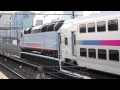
[22, 25]
[17, 32]
[73, 14]
[10, 30]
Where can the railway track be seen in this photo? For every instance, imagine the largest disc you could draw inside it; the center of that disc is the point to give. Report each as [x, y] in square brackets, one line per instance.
[51, 66]
[54, 64]
[28, 70]
[11, 74]
[49, 71]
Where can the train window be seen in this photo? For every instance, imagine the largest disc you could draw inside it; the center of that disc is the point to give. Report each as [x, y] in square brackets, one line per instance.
[114, 55]
[51, 27]
[21, 35]
[113, 25]
[58, 25]
[83, 28]
[102, 54]
[29, 30]
[101, 26]
[92, 53]
[44, 29]
[59, 38]
[66, 41]
[91, 27]
[74, 39]
[83, 52]
[24, 32]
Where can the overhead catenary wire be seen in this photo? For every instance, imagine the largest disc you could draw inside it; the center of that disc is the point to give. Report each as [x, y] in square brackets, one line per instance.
[32, 14]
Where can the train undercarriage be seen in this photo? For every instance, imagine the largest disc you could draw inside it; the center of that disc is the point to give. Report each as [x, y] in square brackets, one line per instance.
[51, 53]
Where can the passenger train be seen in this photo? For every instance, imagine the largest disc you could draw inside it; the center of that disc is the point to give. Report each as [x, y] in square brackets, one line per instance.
[91, 41]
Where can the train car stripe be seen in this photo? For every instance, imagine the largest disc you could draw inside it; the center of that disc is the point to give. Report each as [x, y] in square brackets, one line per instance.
[100, 42]
[39, 48]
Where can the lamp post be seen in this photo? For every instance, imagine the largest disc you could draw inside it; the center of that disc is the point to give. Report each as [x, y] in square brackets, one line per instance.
[18, 29]
[10, 31]
[73, 14]
[22, 25]
[6, 34]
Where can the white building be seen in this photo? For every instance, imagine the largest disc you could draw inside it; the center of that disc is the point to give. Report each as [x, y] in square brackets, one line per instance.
[5, 23]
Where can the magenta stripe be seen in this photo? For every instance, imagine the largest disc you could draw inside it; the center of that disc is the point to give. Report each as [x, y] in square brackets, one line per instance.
[110, 42]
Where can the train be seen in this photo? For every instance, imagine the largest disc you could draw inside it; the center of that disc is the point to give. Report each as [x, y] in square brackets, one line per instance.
[90, 41]
[41, 39]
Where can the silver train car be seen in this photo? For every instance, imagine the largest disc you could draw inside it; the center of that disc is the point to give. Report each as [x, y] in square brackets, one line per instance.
[92, 41]
[41, 39]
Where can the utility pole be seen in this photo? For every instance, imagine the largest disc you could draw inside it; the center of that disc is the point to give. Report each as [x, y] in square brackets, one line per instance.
[17, 31]
[22, 25]
[10, 31]
[73, 14]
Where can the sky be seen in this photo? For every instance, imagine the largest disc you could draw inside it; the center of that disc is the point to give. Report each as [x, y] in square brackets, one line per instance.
[86, 12]
[47, 20]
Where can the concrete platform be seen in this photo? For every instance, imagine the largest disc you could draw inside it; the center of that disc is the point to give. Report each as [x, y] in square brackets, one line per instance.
[2, 76]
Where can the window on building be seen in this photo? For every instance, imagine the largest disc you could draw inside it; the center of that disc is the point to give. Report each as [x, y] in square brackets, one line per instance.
[113, 25]
[92, 53]
[102, 54]
[101, 26]
[83, 28]
[83, 52]
[114, 55]
[66, 41]
[91, 27]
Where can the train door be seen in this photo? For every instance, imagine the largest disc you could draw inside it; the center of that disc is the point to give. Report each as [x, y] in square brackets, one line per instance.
[59, 46]
[73, 37]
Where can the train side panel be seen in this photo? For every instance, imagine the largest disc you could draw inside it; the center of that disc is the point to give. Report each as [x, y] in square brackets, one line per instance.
[46, 40]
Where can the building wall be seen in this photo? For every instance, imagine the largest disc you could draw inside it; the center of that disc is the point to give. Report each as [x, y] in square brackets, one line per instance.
[76, 13]
[5, 22]
[39, 22]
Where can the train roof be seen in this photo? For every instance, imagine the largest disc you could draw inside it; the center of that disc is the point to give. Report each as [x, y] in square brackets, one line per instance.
[82, 19]
[100, 16]
[96, 16]
[26, 29]
[36, 27]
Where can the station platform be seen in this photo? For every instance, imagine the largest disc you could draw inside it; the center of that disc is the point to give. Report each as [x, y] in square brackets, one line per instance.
[2, 76]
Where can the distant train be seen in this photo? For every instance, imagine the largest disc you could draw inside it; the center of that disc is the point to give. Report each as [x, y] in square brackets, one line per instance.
[92, 41]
